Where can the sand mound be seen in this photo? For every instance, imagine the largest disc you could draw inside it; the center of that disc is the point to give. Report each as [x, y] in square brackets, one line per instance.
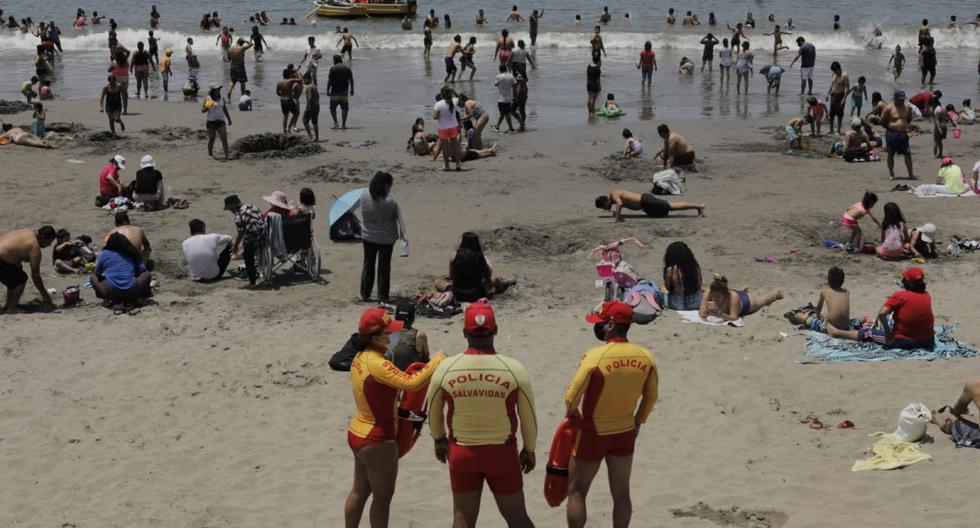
[535, 241]
[14, 107]
[175, 133]
[733, 516]
[271, 145]
[334, 173]
[615, 168]
[65, 128]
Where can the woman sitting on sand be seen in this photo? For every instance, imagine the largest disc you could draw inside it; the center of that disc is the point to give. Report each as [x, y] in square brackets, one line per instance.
[724, 303]
[904, 321]
[471, 273]
[120, 274]
[682, 278]
[422, 144]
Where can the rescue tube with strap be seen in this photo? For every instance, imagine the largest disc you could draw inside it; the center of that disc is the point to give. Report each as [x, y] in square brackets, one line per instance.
[556, 478]
[411, 414]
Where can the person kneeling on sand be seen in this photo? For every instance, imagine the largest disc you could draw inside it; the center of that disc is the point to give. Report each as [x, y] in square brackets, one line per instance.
[23, 245]
[654, 207]
[946, 417]
[905, 320]
[729, 304]
[120, 274]
[836, 299]
[207, 255]
[677, 152]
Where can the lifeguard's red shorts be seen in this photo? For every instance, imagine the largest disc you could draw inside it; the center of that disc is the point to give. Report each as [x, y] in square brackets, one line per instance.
[591, 448]
[357, 443]
[498, 465]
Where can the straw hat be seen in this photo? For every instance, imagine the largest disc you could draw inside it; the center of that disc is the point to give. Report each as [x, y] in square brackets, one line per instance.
[278, 199]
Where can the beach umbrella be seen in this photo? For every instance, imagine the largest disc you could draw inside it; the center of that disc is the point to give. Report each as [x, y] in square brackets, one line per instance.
[345, 204]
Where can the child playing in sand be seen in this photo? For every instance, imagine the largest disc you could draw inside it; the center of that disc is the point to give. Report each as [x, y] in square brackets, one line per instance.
[245, 101]
[837, 301]
[968, 115]
[816, 110]
[850, 220]
[611, 107]
[894, 234]
[27, 89]
[859, 93]
[633, 145]
[794, 129]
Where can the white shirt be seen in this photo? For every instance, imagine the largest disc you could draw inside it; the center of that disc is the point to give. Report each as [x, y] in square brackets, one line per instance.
[505, 87]
[519, 56]
[313, 56]
[447, 118]
[201, 253]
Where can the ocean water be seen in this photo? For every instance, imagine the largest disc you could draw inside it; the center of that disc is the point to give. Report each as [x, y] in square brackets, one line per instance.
[393, 79]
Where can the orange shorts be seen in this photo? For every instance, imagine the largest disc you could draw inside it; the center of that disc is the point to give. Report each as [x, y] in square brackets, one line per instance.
[357, 443]
[448, 133]
[591, 448]
[498, 465]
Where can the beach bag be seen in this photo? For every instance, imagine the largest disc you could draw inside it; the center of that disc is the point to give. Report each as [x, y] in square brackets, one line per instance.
[342, 359]
[347, 228]
[645, 300]
[668, 182]
[912, 422]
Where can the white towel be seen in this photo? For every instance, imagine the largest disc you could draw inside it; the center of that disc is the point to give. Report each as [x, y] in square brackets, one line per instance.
[932, 190]
[691, 316]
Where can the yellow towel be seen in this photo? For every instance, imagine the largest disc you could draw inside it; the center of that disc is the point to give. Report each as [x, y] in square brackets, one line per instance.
[891, 453]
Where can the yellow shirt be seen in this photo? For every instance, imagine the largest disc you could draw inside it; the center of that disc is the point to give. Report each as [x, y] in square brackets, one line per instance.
[375, 382]
[165, 65]
[610, 380]
[486, 394]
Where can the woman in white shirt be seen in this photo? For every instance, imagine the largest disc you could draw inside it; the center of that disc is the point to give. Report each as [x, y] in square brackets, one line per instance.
[445, 112]
[217, 113]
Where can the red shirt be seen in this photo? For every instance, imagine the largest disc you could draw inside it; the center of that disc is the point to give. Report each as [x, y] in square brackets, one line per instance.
[646, 58]
[921, 99]
[912, 313]
[105, 187]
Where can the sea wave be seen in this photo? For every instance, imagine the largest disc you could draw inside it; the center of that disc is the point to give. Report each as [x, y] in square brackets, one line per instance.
[861, 39]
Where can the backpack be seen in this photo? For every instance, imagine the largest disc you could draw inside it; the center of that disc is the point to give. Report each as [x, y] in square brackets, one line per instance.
[645, 299]
[347, 228]
[342, 359]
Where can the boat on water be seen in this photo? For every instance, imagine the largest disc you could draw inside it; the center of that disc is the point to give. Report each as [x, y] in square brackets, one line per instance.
[339, 9]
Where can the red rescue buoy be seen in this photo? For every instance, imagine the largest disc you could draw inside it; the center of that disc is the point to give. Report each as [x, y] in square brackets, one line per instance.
[556, 478]
[411, 414]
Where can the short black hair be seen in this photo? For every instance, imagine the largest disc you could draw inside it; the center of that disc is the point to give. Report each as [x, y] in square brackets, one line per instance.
[503, 68]
[835, 277]
[306, 196]
[47, 232]
[627, 133]
[602, 202]
[62, 234]
[337, 59]
[122, 218]
[663, 129]
[197, 226]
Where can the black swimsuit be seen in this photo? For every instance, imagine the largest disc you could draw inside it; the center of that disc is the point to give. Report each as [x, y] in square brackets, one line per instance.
[113, 101]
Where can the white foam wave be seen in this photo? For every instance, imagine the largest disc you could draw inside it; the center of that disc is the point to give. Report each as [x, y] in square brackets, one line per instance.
[205, 43]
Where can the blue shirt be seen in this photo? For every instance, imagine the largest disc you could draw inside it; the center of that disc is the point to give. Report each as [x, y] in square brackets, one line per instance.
[808, 55]
[119, 270]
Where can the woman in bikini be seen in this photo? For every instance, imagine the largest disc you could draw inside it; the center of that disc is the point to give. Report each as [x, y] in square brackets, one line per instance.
[729, 304]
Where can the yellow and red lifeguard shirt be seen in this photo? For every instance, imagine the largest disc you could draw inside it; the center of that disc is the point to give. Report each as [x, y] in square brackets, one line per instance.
[375, 382]
[486, 394]
[610, 380]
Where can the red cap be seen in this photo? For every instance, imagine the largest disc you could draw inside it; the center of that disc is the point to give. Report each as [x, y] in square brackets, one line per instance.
[616, 311]
[376, 321]
[479, 319]
[913, 274]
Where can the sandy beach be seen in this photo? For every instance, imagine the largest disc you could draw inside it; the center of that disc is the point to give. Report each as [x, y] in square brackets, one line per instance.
[215, 407]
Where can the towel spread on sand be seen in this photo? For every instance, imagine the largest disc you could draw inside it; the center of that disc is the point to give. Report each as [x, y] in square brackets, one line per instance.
[821, 348]
[936, 191]
[891, 453]
[691, 316]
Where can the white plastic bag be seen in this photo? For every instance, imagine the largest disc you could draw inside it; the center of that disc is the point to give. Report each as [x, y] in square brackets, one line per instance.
[669, 181]
[912, 422]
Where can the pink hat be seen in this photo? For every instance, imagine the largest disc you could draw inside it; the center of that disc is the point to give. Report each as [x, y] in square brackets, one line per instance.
[278, 199]
[947, 161]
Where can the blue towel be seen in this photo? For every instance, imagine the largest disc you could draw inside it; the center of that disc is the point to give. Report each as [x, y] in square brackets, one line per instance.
[821, 348]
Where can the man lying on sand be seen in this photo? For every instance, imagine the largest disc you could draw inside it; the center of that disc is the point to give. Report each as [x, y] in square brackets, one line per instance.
[651, 205]
[23, 245]
[945, 417]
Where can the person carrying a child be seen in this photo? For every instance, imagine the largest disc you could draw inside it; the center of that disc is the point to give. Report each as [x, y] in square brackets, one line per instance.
[894, 234]
[851, 217]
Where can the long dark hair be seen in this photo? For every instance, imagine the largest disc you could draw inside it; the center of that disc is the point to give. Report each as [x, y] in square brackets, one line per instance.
[380, 185]
[678, 254]
[892, 217]
[447, 96]
[120, 244]
[469, 266]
